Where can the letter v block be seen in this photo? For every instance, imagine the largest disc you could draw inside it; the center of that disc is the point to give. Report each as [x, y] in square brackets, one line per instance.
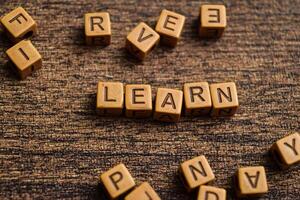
[117, 182]
[211, 193]
[143, 192]
[141, 40]
[195, 172]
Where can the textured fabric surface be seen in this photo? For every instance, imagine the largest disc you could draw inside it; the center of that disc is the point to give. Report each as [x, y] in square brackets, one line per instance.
[54, 146]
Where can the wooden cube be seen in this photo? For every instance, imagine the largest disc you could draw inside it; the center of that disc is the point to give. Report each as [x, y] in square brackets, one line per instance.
[212, 21]
[97, 28]
[18, 25]
[143, 192]
[168, 105]
[110, 98]
[251, 182]
[138, 101]
[195, 172]
[197, 98]
[141, 40]
[24, 58]
[210, 193]
[169, 27]
[286, 151]
[224, 99]
[117, 182]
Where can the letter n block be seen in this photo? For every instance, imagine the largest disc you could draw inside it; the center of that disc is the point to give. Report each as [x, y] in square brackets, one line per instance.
[97, 28]
[143, 192]
[195, 172]
[212, 21]
[224, 99]
[141, 40]
[110, 98]
[25, 59]
[210, 193]
[286, 151]
[169, 27]
[168, 105]
[18, 25]
[251, 182]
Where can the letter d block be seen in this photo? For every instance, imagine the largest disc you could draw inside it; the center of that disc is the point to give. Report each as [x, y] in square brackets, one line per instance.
[195, 172]
[110, 98]
[143, 192]
[117, 182]
[97, 28]
[141, 40]
[18, 25]
[210, 193]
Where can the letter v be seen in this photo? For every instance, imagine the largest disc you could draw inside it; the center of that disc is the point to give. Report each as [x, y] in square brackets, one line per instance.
[141, 38]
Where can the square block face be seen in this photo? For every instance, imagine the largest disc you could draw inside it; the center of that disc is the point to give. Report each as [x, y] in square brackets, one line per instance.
[143, 192]
[251, 181]
[211, 193]
[141, 40]
[212, 20]
[169, 26]
[168, 105]
[110, 98]
[19, 24]
[97, 28]
[224, 99]
[138, 101]
[196, 172]
[197, 98]
[117, 181]
[25, 58]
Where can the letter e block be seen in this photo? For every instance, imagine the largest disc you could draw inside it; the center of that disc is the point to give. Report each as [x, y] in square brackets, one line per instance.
[143, 192]
[211, 193]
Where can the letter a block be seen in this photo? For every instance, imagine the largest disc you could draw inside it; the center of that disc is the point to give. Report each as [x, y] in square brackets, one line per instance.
[25, 58]
[97, 28]
[143, 192]
[195, 172]
[18, 25]
[286, 151]
[251, 182]
[212, 20]
[211, 193]
[224, 99]
[141, 40]
[110, 98]
[117, 182]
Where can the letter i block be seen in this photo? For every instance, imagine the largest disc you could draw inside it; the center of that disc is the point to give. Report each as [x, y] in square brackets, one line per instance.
[110, 98]
[97, 28]
[195, 172]
[117, 182]
[169, 27]
[141, 40]
[168, 105]
[209, 192]
[25, 58]
[143, 192]
[18, 25]
[251, 182]
[286, 151]
[197, 98]
[224, 99]
[212, 21]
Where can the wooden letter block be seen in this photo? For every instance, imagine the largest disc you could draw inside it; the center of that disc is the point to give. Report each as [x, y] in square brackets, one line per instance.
[212, 20]
[195, 172]
[143, 192]
[110, 98]
[138, 101]
[25, 58]
[286, 151]
[168, 105]
[141, 40]
[197, 98]
[18, 25]
[117, 181]
[97, 28]
[211, 193]
[224, 99]
[169, 27]
[251, 182]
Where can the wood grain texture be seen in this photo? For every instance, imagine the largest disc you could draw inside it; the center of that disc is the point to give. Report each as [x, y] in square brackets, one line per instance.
[54, 146]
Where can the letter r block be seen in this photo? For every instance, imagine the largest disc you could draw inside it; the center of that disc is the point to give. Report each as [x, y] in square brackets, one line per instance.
[210, 193]
[143, 192]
